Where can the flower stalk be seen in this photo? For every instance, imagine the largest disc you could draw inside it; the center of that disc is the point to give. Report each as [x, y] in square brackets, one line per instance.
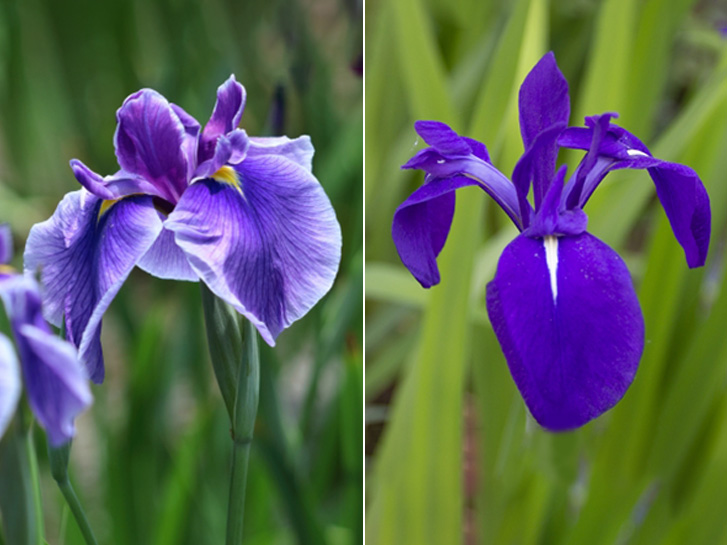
[58, 458]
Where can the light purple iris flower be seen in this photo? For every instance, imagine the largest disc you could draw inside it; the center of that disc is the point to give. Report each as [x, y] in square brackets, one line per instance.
[562, 303]
[55, 380]
[243, 214]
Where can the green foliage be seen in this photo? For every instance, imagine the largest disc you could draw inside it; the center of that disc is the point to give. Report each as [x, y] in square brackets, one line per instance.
[454, 457]
[151, 459]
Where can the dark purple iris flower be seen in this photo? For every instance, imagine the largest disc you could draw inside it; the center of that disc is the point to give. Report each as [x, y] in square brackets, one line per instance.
[55, 380]
[562, 303]
[243, 214]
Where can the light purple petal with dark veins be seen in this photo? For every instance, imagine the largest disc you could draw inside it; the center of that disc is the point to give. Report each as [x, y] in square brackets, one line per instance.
[543, 103]
[150, 140]
[167, 260]
[231, 148]
[299, 150]
[270, 249]
[6, 244]
[121, 184]
[570, 326]
[10, 385]
[55, 380]
[225, 117]
[421, 225]
[84, 259]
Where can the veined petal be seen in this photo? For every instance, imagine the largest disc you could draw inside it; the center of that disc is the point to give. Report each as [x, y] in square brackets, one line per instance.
[299, 150]
[270, 246]
[55, 380]
[150, 140]
[10, 385]
[225, 117]
[543, 103]
[421, 226]
[167, 260]
[190, 140]
[567, 318]
[84, 258]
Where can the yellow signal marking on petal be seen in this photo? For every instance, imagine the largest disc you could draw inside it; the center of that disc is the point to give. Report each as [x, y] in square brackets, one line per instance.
[105, 205]
[6, 269]
[228, 175]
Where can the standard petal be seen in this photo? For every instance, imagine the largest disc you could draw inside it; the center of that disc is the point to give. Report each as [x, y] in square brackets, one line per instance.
[270, 247]
[225, 117]
[230, 148]
[84, 258]
[167, 260]
[299, 150]
[10, 385]
[55, 380]
[570, 326]
[443, 138]
[421, 225]
[543, 103]
[190, 141]
[150, 140]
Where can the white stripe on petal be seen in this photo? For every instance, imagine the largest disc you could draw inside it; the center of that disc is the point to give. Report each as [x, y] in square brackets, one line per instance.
[551, 260]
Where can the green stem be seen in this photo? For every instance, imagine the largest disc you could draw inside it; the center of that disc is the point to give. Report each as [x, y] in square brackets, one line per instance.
[58, 458]
[243, 423]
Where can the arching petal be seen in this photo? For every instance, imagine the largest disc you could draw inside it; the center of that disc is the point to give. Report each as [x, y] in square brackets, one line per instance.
[55, 380]
[421, 226]
[225, 117]
[570, 326]
[84, 257]
[10, 385]
[299, 150]
[270, 246]
[190, 141]
[121, 184]
[167, 260]
[150, 140]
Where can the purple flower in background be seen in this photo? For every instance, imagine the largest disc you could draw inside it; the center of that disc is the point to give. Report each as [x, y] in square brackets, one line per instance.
[562, 303]
[243, 214]
[55, 380]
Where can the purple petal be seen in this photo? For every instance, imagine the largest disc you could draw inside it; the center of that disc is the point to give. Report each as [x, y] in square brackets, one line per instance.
[167, 260]
[299, 150]
[569, 324]
[442, 138]
[190, 141]
[10, 385]
[487, 177]
[6, 244]
[84, 259]
[225, 117]
[271, 248]
[543, 103]
[551, 218]
[55, 380]
[149, 142]
[230, 148]
[678, 187]
[421, 225]
[121, 184]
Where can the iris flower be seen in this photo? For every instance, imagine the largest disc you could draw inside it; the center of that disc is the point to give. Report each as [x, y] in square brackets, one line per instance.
[243, 214]
[55, 380]
[562, 303]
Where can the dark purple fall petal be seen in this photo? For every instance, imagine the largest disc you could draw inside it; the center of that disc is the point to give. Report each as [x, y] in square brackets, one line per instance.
[570, 326]
[84, 257]
[150, 140]
[55, 380]
[225, 117]
[269, 247]
[10, 385]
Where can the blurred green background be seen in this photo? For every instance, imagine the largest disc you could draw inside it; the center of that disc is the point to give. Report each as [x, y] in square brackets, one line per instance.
[452, 456]
[151, 458]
